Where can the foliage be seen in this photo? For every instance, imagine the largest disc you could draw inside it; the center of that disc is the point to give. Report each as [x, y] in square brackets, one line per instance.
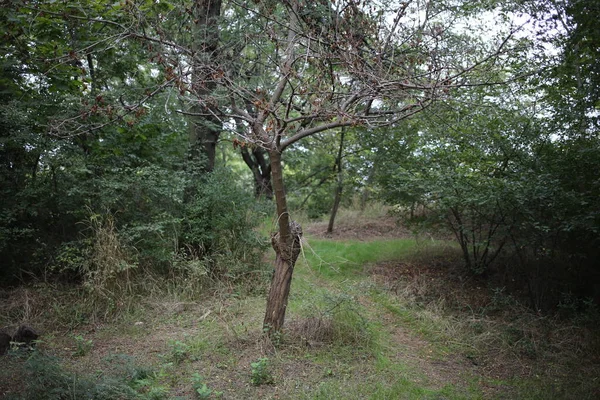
[516, 188]
[310, 174]
[107, 269]
[571, 79]
[219, 229]
[49, 380]
[261, 372]
[98, 180]
[420, 309]
[349, 327]
[179, 351]
[201, 388]
[83, 346]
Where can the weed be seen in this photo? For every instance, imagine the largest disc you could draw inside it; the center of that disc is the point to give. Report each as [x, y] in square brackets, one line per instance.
[82, 346]
[350, 327]
[108, 271]
[580, 310]
[179, 351]
[48, 380]
[201, 389]
[151, 388]
[355, 338]
[274, 337]
[261, 372]
[339, 321]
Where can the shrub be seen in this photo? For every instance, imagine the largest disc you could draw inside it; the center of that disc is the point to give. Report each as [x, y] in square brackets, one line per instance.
[219, 228]
[48, 380]
[261, 372]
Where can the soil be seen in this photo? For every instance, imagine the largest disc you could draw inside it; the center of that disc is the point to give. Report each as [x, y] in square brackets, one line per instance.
[383, 227]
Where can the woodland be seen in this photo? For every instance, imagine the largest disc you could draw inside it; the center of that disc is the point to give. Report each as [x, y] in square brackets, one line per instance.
[263, 186]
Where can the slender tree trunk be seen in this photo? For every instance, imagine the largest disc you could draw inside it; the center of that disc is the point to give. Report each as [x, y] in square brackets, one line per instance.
[340, 183]
[286, 244]
[313, 190]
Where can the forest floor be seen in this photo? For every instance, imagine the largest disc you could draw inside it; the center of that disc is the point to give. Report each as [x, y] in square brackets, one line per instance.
[374, 313]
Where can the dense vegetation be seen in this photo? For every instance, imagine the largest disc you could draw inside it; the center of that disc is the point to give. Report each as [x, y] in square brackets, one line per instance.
[93, 144]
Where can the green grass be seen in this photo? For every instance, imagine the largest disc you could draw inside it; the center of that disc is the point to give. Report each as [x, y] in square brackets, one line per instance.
[337, 259]
[372, 387]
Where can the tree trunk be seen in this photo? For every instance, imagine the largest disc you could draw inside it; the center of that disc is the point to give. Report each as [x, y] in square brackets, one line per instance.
[261, 171]
[340, 183]
[286, 244]
[205, 127]
[204, 135]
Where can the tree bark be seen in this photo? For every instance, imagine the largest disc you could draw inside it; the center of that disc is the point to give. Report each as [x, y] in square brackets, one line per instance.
[261, 171]
[205, 127]
[287, 246]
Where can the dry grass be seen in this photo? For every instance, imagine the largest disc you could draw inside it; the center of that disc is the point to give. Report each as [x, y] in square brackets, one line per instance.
[109, 268]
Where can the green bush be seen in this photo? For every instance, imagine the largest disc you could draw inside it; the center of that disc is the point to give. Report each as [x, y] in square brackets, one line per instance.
[49, 381]
[219, 228]
[261, 372]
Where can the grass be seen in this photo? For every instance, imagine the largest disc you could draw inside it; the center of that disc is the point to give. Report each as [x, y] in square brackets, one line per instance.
[381, 319]
[335, 259]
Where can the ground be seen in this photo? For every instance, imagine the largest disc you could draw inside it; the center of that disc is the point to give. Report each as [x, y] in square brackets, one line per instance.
[381, 227]
[374, 312]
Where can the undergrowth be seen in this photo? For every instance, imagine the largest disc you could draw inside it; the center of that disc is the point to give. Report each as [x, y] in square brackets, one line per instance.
[349, 303]
[539, 355]
[430, 293]
[47, 379]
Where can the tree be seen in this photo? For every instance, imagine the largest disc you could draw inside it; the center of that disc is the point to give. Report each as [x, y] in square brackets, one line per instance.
[335, 66]
[511, 170]
[459, 164]
[289, 70]
[205, 126]
[572, 81]
[340, 183]
[257, 160]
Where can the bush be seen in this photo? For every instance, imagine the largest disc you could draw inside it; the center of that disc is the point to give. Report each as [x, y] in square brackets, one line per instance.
[49, 381]
[521, 204]
[219, 228]
[261, 372]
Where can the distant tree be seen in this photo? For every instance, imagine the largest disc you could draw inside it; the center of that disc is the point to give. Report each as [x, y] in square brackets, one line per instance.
[511, 170]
